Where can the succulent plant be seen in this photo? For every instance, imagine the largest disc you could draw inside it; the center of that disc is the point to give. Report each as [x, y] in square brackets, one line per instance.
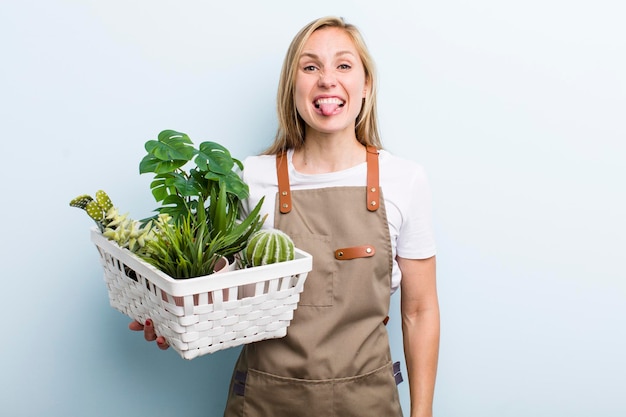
[268, 246]
[134, 235]
[126, 232]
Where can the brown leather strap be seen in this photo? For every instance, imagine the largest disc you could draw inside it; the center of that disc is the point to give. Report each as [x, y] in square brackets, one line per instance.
[345, 254]
[284, 192]
[373, 190]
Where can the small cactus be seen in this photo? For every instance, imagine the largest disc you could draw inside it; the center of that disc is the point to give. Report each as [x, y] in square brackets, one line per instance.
[268, 246]
[120, 228]
[94, 211]
[81, 201]
[98, 209]
[104, 201]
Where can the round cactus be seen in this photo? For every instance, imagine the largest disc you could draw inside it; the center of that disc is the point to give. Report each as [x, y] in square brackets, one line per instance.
[268, 246]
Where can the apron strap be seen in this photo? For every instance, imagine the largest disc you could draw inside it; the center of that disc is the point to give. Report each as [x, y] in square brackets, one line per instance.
[373, 189]
[284, 192]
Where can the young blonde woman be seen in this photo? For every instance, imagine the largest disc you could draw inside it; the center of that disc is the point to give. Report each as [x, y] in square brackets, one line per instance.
[364, 215]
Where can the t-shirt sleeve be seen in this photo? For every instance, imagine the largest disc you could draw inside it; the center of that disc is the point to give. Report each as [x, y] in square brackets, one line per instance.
[416, 236]
[260, 176]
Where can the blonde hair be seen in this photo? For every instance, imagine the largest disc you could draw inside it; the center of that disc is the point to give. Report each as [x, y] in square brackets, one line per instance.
[291, 127]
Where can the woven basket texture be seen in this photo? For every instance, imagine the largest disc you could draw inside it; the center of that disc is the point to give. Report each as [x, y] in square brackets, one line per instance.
[202, 315]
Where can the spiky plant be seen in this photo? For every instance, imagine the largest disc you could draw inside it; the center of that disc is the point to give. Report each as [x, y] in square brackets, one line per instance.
[120, 228]
[185, 248]
[268, 246]
[99, 209]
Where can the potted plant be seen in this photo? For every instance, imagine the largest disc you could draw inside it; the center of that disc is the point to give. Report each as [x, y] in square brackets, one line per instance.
[204, 202]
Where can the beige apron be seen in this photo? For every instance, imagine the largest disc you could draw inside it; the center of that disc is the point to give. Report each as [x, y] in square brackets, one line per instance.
[335, 359]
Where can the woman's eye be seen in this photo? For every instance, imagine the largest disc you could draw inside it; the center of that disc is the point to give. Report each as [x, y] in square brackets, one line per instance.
[309, 68]
[344, 67]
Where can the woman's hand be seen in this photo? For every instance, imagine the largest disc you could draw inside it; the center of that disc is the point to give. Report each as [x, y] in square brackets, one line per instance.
[148, 333]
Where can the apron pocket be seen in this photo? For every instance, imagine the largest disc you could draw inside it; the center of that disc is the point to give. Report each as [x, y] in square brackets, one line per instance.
[269, 395]
[319, 284]
[372, 394]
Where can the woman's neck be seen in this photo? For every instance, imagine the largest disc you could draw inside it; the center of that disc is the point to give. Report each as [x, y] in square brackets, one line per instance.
[320, 155]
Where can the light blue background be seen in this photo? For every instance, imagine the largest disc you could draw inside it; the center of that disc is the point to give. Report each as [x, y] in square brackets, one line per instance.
[515, 108]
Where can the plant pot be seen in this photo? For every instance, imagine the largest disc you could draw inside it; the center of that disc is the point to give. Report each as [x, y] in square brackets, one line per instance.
[221, 266]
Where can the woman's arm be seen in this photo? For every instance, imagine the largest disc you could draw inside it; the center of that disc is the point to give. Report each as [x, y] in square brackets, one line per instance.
[420, 329]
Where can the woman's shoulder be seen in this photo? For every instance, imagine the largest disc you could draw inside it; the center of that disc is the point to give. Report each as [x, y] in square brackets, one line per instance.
[393, 166]
[259, 163]
[259, 169]
[255, 161]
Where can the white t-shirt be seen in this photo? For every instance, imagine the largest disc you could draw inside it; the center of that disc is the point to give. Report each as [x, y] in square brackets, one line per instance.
[403, 184]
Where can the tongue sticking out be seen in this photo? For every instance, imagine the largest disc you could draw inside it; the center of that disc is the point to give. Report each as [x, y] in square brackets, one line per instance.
[329, 108]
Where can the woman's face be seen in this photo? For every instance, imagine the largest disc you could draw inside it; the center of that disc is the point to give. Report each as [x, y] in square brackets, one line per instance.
[330, 82]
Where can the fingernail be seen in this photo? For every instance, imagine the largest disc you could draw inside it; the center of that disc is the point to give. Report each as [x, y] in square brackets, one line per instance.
[148, 322]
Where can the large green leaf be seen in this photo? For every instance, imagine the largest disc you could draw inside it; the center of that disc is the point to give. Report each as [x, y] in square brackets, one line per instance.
[162, 186]
[151, 163]
[215, 158]
[175, 206]
[231, 181]
[235, 185]
[171, 151]
[171, 145]
[218, 212]
[184, 186]
[159, 189]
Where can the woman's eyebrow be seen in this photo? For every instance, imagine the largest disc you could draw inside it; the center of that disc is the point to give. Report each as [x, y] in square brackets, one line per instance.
[315, 56]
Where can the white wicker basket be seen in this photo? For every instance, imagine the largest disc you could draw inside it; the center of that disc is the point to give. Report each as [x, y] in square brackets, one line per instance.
[205, 314]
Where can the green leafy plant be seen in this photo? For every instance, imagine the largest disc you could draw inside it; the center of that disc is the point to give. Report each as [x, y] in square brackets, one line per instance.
[198, 221]
[179, 189]
[185, 249]
[201, 185]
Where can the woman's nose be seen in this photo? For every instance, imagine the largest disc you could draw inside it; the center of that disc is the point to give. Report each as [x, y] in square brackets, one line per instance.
[327, 80]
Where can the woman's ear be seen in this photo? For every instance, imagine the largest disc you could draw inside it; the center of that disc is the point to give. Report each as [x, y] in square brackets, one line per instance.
[366, 88]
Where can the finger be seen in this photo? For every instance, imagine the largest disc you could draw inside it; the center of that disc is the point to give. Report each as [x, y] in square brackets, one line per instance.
[162, 343]
[135, 326]
[148, 331]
